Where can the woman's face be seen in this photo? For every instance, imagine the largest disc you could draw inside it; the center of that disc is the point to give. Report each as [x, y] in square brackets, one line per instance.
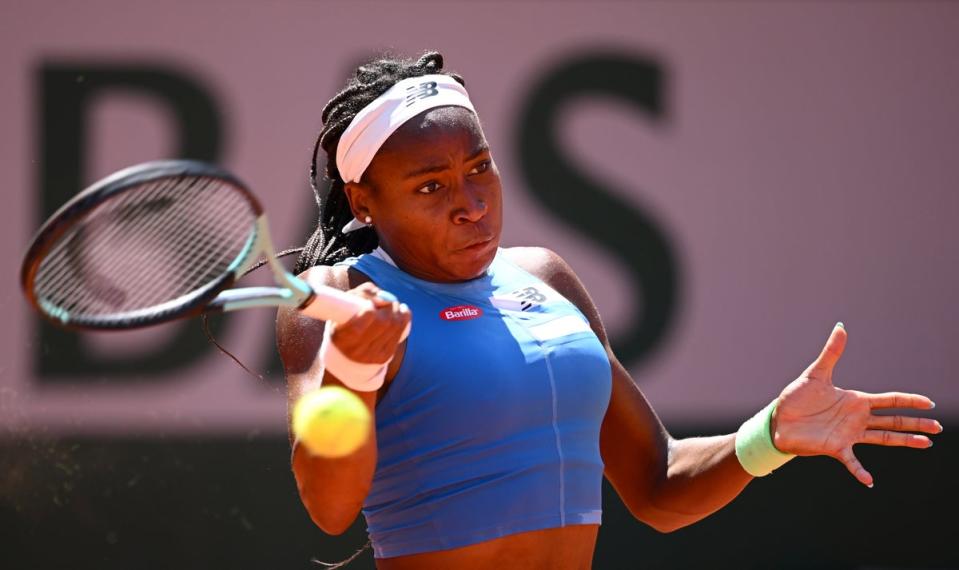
[435, 197]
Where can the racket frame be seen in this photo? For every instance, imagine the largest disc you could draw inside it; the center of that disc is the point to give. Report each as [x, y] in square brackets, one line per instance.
[292, 292]
[194, 302]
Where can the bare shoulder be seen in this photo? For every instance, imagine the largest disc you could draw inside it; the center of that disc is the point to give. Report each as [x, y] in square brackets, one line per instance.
[337, 276]
[539, 261]
[547, 265]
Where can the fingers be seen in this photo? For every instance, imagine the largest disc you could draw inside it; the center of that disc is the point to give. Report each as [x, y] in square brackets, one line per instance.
[393, 321]
[373, 334]
[373, 294]
[899, 400]
[895, 439]
[848, 459]
[387, 320]
[831, 352]
[904, 423]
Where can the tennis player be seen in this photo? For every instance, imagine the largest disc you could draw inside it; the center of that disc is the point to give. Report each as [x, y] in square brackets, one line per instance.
[499, 415]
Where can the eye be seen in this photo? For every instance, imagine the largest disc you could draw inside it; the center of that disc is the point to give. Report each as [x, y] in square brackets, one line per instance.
[480, 168]
[428, 188]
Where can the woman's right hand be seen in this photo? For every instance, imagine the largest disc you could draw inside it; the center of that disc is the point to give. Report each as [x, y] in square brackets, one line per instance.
[372, 335]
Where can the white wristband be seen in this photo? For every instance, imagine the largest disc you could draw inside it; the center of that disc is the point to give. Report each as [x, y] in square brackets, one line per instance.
[358, 376]
[754, 444]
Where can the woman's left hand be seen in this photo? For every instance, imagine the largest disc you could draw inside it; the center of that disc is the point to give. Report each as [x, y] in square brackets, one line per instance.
[813, 417]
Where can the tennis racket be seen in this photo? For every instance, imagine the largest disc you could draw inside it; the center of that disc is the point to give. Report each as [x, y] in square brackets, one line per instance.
[161, 241]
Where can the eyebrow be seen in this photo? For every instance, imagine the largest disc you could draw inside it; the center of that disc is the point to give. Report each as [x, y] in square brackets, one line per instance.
[432, 168]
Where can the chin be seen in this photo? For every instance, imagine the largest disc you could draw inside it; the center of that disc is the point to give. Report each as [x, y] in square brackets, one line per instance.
[473, 264]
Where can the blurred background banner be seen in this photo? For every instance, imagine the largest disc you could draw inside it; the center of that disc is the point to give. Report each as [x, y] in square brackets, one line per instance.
[728, 179]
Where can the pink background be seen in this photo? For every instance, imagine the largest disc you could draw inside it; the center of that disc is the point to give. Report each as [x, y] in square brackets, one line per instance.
[807, 172]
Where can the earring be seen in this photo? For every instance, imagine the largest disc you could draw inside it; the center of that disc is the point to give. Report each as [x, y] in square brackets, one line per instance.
[355, 224]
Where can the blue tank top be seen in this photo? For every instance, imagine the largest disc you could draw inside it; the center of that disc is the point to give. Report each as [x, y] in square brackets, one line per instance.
[491, 425]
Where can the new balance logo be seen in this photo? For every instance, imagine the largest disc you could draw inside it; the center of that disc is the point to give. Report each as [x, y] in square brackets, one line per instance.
[522, 299]
[528, 297]
[461, 313]
[421, 91]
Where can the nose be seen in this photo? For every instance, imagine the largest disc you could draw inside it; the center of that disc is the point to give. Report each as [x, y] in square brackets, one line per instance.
[470, 205]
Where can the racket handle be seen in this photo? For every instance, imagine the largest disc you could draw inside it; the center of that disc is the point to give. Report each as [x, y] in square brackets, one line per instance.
[338, 306]
[332, 304]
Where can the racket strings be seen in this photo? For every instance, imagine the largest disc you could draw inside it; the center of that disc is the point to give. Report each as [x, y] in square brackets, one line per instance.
[105, 233]
[147, 246]
[49, 273]
[197, 255]
[113, 228]
[193, 244]
[91, 240]
[187, 240]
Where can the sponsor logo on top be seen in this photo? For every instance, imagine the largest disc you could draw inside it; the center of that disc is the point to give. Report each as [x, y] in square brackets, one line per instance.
[524, 299]
[460, 313]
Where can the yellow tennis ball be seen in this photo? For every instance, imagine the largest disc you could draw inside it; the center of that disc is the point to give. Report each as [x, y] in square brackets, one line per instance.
[331, 422]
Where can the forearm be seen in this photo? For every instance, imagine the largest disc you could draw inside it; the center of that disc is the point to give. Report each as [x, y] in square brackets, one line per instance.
[702, 476]
[333, 490]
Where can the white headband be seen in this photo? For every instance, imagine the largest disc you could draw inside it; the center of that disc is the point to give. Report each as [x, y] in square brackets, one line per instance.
[370, 128]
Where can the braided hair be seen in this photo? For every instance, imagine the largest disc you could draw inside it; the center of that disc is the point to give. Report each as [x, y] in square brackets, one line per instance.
[328, 245]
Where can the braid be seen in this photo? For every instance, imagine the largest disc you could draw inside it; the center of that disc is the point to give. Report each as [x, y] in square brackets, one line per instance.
[328, 245]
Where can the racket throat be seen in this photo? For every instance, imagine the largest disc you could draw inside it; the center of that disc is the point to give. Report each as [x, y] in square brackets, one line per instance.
[253, 297]
[290, 291]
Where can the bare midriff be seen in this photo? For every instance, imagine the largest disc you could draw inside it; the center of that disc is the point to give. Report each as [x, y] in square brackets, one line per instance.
[564, 548]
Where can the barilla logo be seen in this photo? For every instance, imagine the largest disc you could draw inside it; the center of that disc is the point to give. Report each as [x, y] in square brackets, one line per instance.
[460, 313]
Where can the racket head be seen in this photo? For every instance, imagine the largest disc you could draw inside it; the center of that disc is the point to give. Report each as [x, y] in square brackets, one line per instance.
[148, 244]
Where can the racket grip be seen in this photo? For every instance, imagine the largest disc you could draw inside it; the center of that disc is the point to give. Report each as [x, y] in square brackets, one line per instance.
[338, 306]
[332, 304]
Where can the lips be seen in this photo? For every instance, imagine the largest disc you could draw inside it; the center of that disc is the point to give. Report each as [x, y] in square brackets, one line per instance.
[477, 244]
